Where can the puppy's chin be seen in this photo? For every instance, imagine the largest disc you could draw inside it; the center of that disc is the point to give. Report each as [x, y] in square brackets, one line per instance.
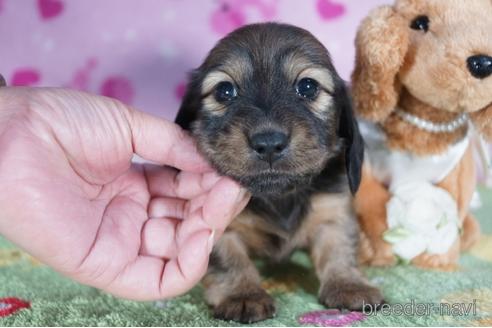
[273, 184]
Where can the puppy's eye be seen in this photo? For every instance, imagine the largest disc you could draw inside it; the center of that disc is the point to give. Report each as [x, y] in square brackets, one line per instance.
[225, 91]
[307, 88]
[421, 23]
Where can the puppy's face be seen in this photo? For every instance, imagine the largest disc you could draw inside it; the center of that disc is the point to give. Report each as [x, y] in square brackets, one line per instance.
[449, 62]
[268, 109]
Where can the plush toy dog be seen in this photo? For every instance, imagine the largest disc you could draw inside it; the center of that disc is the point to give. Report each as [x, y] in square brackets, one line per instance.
[422, 85]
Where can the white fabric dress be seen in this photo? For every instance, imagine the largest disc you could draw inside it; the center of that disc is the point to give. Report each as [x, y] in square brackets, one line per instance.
[421, 216]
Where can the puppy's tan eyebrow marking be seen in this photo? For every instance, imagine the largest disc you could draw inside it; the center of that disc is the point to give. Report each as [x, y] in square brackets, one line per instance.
[232, 70]
[212, 79]
[322, 75]
[294, 64]
[297, 67]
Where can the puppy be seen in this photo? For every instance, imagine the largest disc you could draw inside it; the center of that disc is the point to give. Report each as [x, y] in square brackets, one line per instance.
[268, 109]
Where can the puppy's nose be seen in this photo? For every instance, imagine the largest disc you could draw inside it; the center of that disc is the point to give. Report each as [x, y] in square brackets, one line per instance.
[269, 146]
[480, 66]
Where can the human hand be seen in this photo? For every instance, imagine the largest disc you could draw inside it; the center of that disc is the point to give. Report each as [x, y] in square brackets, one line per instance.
[72, 198]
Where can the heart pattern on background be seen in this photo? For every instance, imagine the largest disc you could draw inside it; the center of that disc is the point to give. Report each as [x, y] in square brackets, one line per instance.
[82, 76]
[49, 9]
[118, 87]
[57, 50]
[11, 305]
[180, 90]
[25, 77]
[328, 9]
[234, 13]
[227, 19]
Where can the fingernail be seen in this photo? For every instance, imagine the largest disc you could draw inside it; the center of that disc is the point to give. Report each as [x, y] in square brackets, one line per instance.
[210, 242]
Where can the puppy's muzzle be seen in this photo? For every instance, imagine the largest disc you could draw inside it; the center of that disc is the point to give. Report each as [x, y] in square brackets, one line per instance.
[480, 66]
[269, 146]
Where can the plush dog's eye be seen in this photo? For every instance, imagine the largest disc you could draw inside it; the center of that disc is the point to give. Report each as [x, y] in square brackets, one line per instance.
[225, 91]
[307, 88]
[421, 23]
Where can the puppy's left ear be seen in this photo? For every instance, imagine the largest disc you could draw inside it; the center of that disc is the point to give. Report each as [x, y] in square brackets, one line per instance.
[348, 130]
[190, 106]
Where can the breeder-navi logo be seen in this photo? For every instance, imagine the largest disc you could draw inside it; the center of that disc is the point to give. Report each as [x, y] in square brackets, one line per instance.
[422, 309]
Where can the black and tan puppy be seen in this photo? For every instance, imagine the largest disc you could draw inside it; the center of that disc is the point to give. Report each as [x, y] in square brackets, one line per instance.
[268, 109]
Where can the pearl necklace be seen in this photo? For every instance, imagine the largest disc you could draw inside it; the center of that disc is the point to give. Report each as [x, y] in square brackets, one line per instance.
[432, 127]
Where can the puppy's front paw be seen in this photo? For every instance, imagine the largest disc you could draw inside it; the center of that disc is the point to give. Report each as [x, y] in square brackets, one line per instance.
[246, 308]
[350, 295]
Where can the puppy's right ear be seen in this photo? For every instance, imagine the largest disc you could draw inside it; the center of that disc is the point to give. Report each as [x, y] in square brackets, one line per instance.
[2, 81]
[381, 46]
[191, 104]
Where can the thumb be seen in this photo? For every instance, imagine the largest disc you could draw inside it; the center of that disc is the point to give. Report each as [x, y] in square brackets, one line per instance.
[164, 142]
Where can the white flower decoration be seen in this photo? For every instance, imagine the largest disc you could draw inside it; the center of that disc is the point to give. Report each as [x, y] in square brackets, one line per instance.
[421, 218]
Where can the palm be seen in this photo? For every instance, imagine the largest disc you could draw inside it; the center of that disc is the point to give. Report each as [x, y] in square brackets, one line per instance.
[81, 208]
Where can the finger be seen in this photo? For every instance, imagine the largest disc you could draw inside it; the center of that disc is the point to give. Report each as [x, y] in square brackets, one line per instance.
[164, 142]
[168, 182]
[182, 273]
[223, 202]
[158, 238]
[214, 210]
[196, 203]
[167, 207]
[149, 278]
[242, 203]
[196, 223]
[163, 207]
[162, 237]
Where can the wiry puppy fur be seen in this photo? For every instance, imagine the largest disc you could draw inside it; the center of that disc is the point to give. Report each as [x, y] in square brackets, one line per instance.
[268, 109]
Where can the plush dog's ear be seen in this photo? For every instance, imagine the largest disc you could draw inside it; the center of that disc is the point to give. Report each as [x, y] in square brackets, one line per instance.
[381, 46]
[348, 130]
[482, 120]
[190, 106]
[2, 81]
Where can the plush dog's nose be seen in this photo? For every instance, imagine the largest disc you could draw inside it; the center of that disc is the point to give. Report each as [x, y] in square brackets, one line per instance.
[480, 66]
[269, 146]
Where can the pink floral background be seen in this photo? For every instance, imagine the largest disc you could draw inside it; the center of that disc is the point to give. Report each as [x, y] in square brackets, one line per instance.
[140, 51]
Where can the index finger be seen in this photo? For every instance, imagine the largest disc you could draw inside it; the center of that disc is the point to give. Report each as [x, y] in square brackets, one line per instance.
[168, 182]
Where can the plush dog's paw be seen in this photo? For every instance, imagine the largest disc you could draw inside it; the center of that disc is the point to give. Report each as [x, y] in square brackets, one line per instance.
[383, 257]
[380, 255]
[444, 262]
[350, 295]
[246, 308]
[471, 233]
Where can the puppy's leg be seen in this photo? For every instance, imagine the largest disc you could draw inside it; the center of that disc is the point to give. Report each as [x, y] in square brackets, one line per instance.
[471, 232]
[333, 242]
[370, 204]
[460, 183]
[233, 284]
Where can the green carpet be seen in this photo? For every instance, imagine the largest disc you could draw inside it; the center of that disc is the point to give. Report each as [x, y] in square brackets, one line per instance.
[55, 300]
